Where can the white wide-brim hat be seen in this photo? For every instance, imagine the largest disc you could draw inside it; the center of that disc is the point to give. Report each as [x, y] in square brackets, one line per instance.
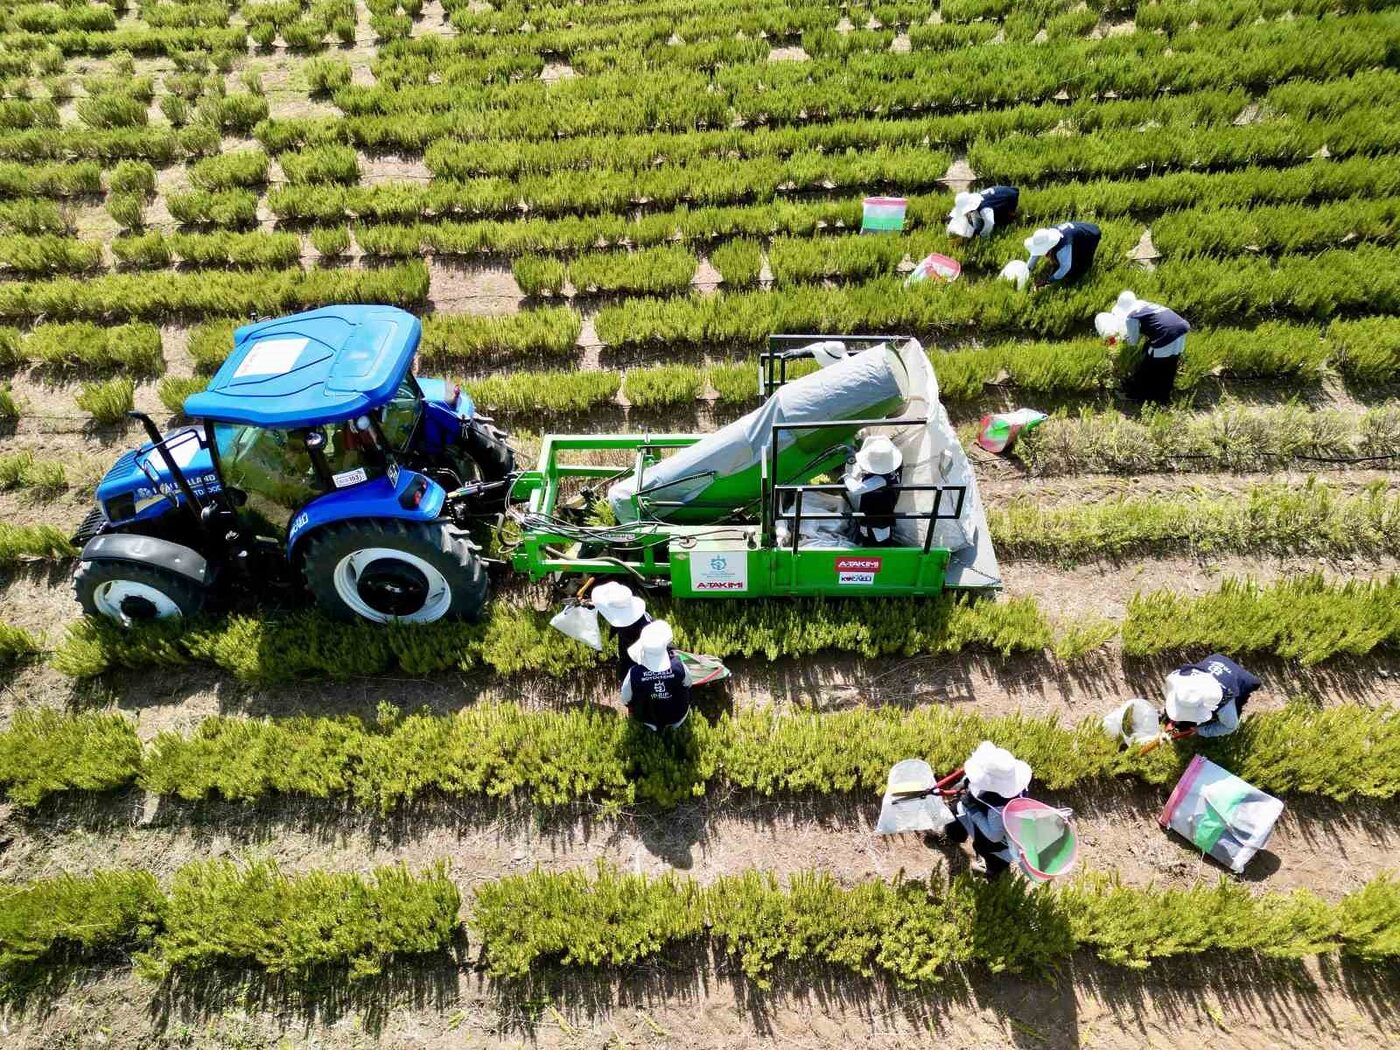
[1192, 695]
[652, 650]
[965, 202]
[1043, 240]
[828, 352]
[617, 604]
[1126, 303]
[878, 455]
[996, 770]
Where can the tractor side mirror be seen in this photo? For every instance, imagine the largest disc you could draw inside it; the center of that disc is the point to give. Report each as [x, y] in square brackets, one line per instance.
[315, 440]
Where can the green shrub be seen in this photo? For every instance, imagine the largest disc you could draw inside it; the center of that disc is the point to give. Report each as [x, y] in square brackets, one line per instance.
[144, 251]
[9, 407]
[244, 167]
[236, 208]
[652, 270]
[221, 914]
[127, 210]
[1302, 618]
[103, 912]
[16, 643]
[538, 274]
[325, 76]
[210, 343]
[134, 348]
[549, 332]
[1367, 351]
[544, 393]
[173, 391]
[331, 242]
[37, 542]
[108, 402]
[662, 385]
[321, 164]
[112, 110]
[236, 113]
[48, 254]
[739, 262]
[133, 176]
[45, 752]
[735, 384]
[175, 109]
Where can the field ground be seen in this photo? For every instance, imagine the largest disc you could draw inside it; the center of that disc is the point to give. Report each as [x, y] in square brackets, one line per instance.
[605, 188]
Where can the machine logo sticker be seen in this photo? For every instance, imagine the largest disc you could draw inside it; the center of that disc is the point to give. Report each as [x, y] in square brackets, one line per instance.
[722, 571]
[858, 572]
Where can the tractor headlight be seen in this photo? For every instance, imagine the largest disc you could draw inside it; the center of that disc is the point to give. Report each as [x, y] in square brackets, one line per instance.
[120, 508]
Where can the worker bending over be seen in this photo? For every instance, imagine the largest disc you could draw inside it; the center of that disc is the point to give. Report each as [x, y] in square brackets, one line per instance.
[1163, 333]
[872, 489]
[626, 614]
[977, 213]
[994, 776]
[1061, 253]
[656, 689]
[1207, 698]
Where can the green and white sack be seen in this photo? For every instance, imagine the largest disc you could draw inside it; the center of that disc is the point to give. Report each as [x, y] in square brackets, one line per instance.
[1224, 816]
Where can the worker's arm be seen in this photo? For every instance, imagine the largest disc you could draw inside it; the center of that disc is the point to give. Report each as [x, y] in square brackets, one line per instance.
[1225, 722]
[1132, 330]
[1066, 250]
[627, 689]
[989, 221]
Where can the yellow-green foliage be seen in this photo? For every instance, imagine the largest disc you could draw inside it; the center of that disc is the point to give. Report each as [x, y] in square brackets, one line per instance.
[44, 752]
[1303, 618]
[1311, 518]
[173, 391]
[480, 340]
[911, 930]
[556, 758]
[68, 913]
[39, 542]
[547, 393]
[135, 349]
[210, 343]
[108, 401]
[219, 914]
[16, 644]
[662, 385]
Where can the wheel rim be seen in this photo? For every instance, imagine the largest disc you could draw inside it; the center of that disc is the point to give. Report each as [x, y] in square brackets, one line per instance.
[383, 584]
[130, 602]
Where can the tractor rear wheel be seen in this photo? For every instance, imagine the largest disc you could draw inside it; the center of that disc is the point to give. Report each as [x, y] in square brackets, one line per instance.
[394, 571]
[130, 593]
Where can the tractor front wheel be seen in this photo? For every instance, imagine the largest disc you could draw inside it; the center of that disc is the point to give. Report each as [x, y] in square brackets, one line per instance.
[394, 571]
[130, 593]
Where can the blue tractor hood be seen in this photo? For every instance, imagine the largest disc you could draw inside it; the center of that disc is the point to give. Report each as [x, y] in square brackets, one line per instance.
[321, 366]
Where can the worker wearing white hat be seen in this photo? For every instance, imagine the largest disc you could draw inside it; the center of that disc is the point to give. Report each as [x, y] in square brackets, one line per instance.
[626, 614]
[1062, 253]
[1163, 333]
[976, 214]
[656, 689]
[993, 777]
[872, 488]
[1207, 698]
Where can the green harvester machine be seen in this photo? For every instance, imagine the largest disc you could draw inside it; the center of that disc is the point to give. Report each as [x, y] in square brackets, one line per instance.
[758, 508]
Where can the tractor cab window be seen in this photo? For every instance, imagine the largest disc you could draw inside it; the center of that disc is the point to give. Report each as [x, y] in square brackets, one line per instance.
[268, 465]
[400, 415]
[278, 470]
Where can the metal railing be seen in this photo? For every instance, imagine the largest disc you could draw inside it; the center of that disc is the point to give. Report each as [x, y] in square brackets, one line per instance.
[773, 362]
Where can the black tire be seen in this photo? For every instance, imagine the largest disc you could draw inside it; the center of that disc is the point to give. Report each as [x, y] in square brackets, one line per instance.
[99, 587]
[381, 589]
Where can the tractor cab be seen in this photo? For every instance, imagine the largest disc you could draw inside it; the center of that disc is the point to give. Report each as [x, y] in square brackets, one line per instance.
[314, 425]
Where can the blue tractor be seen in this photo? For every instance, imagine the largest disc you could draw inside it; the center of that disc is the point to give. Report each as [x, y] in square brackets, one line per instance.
[316, 461]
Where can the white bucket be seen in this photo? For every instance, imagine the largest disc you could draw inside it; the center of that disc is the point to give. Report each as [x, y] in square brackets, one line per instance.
[1133, 722]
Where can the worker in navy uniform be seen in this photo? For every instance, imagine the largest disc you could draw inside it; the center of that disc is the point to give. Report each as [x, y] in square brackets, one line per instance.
[656, 689]
[626, 614]
[1163, 335]
[993, 777]
[872, 488]
[1207, 698]
[978, 213]
[1061, 253]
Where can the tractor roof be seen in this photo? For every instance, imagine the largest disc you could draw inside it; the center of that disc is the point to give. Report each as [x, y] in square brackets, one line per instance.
[321, 366]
